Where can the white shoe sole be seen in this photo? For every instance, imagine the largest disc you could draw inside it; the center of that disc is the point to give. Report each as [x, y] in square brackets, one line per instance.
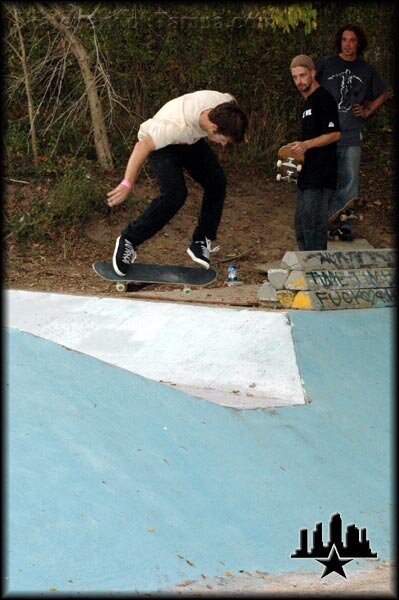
[203, 263]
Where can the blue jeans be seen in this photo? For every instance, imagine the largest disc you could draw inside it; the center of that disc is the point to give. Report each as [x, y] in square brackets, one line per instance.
[310, 220]
[347, 179]
[168, 165]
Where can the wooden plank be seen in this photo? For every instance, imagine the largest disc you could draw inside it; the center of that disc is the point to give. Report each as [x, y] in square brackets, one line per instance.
[342, 279]
[242, 295]
[340, 259]
[342, 299]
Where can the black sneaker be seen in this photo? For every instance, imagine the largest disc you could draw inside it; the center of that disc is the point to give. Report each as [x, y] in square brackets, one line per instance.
[124, 255]
[343, 234]
[200, 252]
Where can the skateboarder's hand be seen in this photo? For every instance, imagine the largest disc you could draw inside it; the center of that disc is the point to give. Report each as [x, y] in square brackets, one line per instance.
[117, 195]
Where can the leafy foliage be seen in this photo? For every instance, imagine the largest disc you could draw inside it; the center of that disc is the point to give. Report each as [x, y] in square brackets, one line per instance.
[75, 195]
[144, 54]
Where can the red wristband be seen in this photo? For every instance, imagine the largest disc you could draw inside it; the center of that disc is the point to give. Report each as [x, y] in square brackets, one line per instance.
[127, 184]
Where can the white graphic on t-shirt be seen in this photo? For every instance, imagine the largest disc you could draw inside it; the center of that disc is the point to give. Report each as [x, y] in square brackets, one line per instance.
[347, 77]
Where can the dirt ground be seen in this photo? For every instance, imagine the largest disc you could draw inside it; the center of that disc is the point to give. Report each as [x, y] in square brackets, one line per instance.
[368, 580]
[256, 227]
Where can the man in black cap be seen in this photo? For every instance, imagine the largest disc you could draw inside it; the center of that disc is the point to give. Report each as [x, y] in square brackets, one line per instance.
[318, 178]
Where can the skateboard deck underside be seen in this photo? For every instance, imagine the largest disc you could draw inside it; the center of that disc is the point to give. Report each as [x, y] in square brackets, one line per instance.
[287, 155]
[150, 273]
[288, 164]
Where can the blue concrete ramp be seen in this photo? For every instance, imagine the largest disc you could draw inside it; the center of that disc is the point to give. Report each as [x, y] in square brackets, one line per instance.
[117, 483]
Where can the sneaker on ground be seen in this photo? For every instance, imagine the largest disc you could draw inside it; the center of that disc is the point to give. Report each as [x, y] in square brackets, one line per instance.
[345, 235]
[200, 252]
[124, 255]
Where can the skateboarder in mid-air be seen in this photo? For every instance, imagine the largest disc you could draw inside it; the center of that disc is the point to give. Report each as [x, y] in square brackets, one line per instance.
[173, 141]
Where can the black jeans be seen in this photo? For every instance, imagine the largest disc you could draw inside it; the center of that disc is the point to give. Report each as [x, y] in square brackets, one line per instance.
[310, 221]
[168, 165]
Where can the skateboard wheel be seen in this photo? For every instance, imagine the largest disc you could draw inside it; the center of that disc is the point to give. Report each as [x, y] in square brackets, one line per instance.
[121, 287]
[343, 217]
[278, 177]
[299, 168]
[279, 163]
[186, 291]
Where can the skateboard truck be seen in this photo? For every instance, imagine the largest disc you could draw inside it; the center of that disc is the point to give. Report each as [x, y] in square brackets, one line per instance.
[288, 165]
[350, 216]
[345, 213]
[136, 287]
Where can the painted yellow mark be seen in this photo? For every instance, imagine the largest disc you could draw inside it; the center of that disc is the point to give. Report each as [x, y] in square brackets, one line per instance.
[302, 301]
[298, 284]
[286, 298]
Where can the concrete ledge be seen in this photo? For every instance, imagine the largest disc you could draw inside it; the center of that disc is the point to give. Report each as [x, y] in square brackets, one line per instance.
[331, 280]
[345, 278]
[344, 299]
[338, 259]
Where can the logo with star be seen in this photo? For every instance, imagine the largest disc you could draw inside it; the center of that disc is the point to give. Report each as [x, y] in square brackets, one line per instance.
[333, 563]
[335, 554]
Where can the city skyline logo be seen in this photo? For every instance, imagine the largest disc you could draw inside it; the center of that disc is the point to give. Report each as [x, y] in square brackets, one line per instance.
[334, 554]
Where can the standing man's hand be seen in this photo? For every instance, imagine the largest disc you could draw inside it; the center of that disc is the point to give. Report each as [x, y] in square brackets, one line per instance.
[298, 147]
[117, 195]
[361, 110]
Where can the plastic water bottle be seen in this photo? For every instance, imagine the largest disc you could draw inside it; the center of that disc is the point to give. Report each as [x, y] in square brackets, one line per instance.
[231, 274]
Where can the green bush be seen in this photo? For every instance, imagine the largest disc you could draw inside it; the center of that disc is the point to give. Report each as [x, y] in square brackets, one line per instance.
[72, 199]
[75, 198]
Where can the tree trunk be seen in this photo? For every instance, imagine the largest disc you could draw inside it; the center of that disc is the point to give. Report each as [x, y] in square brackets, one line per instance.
[27, 88]
[61, 23]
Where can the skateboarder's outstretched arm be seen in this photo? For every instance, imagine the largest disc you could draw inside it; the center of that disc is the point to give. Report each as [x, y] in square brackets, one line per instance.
[137, 159]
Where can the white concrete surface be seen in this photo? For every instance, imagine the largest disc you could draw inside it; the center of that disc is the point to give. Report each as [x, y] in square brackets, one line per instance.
[236, 357]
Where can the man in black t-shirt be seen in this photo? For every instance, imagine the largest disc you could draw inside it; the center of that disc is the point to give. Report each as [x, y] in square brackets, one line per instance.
[318, 178]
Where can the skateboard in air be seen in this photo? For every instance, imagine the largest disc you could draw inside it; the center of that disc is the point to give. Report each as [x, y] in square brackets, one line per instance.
[289, 165]
[140, 275]
[343, 214]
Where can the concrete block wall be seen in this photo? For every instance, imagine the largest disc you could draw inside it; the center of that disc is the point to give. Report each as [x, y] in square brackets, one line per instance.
[332, 280]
